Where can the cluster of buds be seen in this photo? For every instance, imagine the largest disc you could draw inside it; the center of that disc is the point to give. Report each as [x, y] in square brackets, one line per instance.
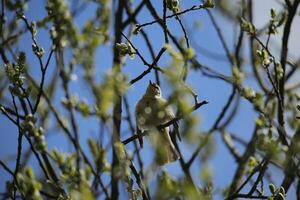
[122, 170]
[252, 164]
[264, 57]
[37, 133]
[125, 48]
[278, 71]
[255, 98]
[173, 5]
[16, 70]
[276, 21]
[247, 27]
[39, 51]
[28, 186]
[209, 4]
[277, 193]
[99, 155]
[237, 75]
[248, 93]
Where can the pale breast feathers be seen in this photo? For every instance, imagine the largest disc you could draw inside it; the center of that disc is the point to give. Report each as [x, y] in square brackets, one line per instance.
[153, 113]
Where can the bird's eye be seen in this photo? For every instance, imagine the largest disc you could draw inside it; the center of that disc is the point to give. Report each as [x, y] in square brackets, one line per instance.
[156, 86]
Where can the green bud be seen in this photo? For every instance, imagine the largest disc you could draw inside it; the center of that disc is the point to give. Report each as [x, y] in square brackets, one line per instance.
[84, 108]
[120, 150]
[266, 62]
[125, 49]
[264, 57]
[247, 27]
[282, 190]
[30, 117]
[272, 188]
[209, 4]
[41, 52]
[34, 47]
[258, 53]
[41, 131]
[29, 173]
[2, 109]
[53, 33]
[283, 18]
[280, 196]
[272, 29]
[15, 91]
[33, 28]
[279, 71]
[190, 53]
[37, 50]
[173, 5]
[21, 59]
[40, 142]
[260, 121]
[258, 101]
[248, 93]
[93, 147]
[57, 156]
[252, 161]
[122, 48]
[137, 29]
[273, 13]
[27, 92]
[237, 75]
[265, 54]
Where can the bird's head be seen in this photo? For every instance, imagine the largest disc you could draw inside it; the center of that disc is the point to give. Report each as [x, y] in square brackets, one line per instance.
[153, 90]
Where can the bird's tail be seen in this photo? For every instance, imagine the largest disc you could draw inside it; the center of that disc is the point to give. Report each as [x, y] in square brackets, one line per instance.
[165, 149]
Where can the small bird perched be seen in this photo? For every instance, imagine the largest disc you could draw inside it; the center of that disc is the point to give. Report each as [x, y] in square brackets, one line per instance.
[152, 111]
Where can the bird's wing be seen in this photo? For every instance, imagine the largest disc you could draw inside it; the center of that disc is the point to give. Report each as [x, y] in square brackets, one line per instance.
[169, 115]
[166, 151]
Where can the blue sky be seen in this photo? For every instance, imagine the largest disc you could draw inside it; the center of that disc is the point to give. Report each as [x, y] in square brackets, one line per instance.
[214, 91]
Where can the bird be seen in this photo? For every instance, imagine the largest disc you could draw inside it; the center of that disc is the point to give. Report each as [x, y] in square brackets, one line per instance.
[151, 112]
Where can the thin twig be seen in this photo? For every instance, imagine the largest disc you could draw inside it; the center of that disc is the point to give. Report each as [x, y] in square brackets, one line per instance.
[193, 8]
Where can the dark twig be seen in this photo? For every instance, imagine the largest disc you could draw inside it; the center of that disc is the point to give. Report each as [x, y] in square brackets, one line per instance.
[43, 69]
[19, 153]
[284, 52]
[165, 28]
[259, 178]
[222, 39]
[117, 107]
[184, 31]
[6, 168]
[2, 17]
[138, 153]
[150, 67]
[139, 181]
[132, 16]
[193, 8]
[255, 170]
